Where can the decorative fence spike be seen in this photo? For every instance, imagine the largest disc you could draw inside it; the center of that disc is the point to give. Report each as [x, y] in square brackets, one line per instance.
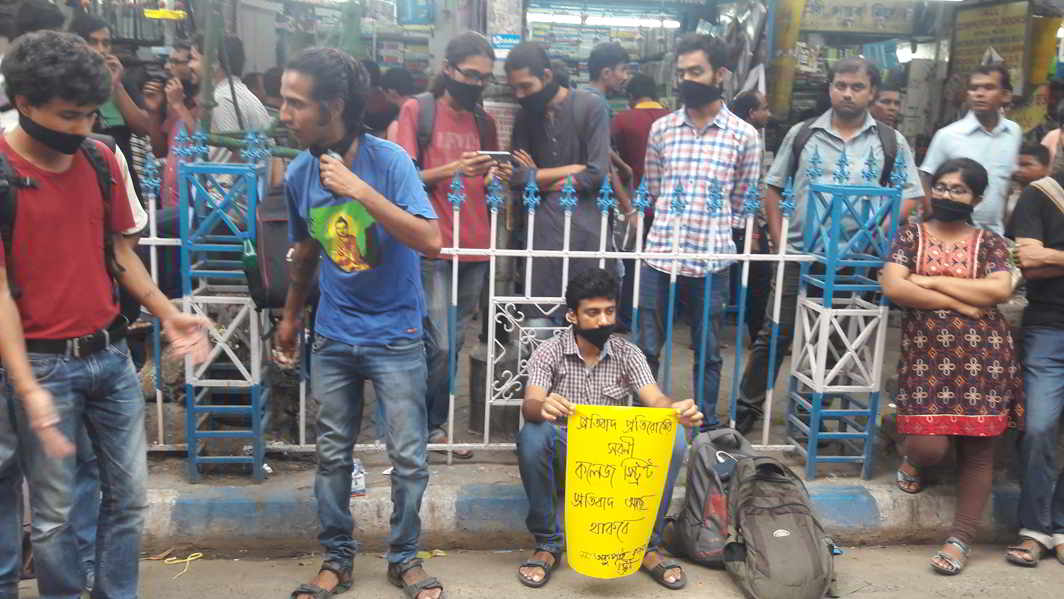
[568, 198]
[787, 203]
[716, 197]
[678, 201]
[842, 169]
[456, 195]
[871, 169]
[605, 199]
[531, 194]
[751, 201]
[494, 197]
[815, 170]
[898, 176]
[642, 197]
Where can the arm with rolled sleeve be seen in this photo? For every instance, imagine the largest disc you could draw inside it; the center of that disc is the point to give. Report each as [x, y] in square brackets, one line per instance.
[775, 181]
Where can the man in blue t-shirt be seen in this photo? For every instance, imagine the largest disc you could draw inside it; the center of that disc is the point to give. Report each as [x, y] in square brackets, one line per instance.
[356, 205]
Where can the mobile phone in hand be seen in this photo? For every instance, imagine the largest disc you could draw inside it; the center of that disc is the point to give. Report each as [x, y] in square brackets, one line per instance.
[497, 155]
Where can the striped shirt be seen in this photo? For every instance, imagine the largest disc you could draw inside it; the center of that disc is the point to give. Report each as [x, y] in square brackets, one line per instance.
[715, 167]
[620, 373]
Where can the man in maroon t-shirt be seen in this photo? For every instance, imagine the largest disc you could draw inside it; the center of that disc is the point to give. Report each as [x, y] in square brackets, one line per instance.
[631, 128]
[66, 254]
[452, 150]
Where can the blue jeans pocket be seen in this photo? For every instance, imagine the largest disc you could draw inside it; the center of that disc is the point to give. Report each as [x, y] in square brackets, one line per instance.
[406, 345]
[44, 366]
[119, 348]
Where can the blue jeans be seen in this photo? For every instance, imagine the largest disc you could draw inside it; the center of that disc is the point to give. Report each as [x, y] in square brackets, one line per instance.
[436, 279]
[86, 510]
[541, 450]
[397, 372]
[653, 306]
[1042, 495]
[102, 391]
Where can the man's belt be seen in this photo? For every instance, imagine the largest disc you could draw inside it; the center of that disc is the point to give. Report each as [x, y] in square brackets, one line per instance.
[79, 347]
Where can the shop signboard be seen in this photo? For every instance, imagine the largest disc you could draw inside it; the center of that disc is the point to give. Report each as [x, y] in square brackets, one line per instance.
[416, 12]
[993, 29]
[892, 17]
[502, 43]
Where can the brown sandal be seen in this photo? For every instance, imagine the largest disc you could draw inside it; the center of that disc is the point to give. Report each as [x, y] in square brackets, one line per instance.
[1033, 555]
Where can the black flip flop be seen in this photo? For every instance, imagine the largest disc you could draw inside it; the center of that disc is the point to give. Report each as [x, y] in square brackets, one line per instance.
[658, 574]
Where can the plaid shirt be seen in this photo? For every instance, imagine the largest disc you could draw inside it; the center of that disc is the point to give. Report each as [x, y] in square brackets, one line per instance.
[621, 371]
[716, 166]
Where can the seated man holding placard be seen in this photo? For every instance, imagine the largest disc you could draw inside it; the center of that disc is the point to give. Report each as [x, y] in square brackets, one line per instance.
[586, 365]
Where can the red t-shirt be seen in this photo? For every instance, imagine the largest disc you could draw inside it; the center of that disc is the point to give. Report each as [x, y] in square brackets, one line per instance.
[454, 133]
[630, 130]
[57, 250]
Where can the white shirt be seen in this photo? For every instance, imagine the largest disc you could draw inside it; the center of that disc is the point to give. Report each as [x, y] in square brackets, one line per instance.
[997, 150]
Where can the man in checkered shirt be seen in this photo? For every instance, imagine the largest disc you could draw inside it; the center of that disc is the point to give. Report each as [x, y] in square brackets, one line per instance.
[586, 365]
[701, 162]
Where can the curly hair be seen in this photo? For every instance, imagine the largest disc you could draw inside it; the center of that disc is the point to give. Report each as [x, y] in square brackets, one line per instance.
[590, 284]
[44, 65]
[336, 76]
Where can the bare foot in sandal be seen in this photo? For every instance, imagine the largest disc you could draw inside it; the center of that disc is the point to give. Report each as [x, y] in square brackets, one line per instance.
[910, 478]
[416, 575]
[671, 576]
[325, 579]
[1027, 553]
[537, 574]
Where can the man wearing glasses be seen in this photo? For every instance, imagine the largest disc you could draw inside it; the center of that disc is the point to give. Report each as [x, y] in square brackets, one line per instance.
[443, 130]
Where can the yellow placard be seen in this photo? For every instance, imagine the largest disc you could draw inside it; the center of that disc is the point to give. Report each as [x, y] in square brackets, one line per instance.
[616, 465]
[164, 14]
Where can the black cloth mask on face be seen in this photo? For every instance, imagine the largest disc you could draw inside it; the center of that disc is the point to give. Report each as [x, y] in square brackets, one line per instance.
[537, 102]
[697, 95]
[465, 94]
[948, 211]
[64, 143]
[597, 336]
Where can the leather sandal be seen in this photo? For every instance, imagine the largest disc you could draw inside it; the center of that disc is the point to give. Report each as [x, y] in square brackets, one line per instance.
[343, 576]
[548, 568]
[1031, 556]
[954, 565]
[658, 574]
[412, 590]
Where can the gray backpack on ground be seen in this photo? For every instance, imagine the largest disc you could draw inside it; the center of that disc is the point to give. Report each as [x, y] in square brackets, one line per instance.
[700, 530]
[776, 548]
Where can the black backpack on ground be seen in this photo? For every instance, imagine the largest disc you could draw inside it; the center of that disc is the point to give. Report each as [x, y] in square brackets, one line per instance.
[700, 530]
[776, 547]
[11, 182]
[887, 139]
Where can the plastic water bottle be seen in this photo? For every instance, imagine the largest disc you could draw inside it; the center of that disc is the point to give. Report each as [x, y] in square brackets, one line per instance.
[358, 479]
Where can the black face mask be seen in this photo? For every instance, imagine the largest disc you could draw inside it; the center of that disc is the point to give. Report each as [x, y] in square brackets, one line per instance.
[597, 336]
[537, 103]
[465, 94]
[341, 147]
[948, 211]
[697, 95]
[64, 143]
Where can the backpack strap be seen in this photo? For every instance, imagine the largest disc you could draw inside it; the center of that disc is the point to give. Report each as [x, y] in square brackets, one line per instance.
[483, 121]
[1052, 189]
[105, 180]
[800, 140]
[889, 141]
[10, 181]
[426, 122]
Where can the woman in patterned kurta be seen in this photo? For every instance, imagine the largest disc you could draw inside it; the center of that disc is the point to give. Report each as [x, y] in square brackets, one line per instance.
[958, 375]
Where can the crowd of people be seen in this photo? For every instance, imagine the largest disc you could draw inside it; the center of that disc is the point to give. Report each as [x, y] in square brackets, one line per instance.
[370, 211]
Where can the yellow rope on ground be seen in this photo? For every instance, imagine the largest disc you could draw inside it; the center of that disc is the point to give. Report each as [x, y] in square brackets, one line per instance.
[170, 561]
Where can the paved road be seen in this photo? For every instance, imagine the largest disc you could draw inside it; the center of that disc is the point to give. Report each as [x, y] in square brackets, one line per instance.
[876, 572]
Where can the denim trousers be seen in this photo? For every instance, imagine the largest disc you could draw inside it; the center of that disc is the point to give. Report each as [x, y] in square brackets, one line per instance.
[1042, 495]
[397, 372]
[102, 391]
[436, 280]
[653, 306]
[541, 450]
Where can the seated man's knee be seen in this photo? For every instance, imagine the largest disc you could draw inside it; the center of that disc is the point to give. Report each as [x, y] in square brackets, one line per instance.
[534, 438]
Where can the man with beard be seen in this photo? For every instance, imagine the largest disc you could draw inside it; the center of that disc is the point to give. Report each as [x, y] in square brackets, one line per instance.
[172, 105]
[369, 323]
[713, 159]
[588, 365]
[559, 134]
[847, 126]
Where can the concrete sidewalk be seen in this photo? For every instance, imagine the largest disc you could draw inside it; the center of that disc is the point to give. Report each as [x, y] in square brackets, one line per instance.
[483, 506]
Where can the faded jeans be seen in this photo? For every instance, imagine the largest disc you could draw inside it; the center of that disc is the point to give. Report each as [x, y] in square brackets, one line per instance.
[397, 372]
[102, 391]
[436, 280]
[1042, 494]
